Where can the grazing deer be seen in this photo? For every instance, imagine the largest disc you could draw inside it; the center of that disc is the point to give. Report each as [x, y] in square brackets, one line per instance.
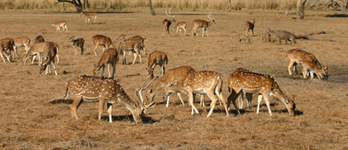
[89, 16]
[311, 68]
[202, 24]
[179, 26]
[132, 45]
[6, 43]
[60, 24]
[21, 41]
[166, 23]
[174, 78]
[37, 49]
[110, 56]
[250, 82]
[204, 82]
[48, 56]
[298, 56]
[77, 43]
[105, 90]
[39, 39]
[249, 25]
[102, 41]
[137, 37]
[156, 58]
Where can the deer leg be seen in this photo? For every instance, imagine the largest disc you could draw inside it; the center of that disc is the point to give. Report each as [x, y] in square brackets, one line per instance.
[252, 30]
[66, 27]
[202, 104]
[259, 98]
[101, 107]
[109, 105]
[54, 66]
[291, 64]
[95, 48]
[163, 69]
[135, 57]
[213, 103]
[109, 69]
[168, 97]
[2, 56]
[221, 98]
[191, 101]
[233, 97]
[124, 58]
[77, 100]
[179, 94]
[113, 68]
[267, 103]
[103, 71]
[81, 50]
[249, 99]
[202, 32]
[304, 72]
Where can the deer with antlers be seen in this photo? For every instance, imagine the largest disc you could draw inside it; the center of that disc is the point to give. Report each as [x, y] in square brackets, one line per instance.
[308, 61]
[166, 23]
[156, 58]
[105, 90]
[202, 24]
[179, 26]
[60, 24]
[48, 57]
[89, 16]
[110, 56]
[6, 43]
[20, 42]
[77, 43]
[249, 25]
[250, 82]
[101, 40]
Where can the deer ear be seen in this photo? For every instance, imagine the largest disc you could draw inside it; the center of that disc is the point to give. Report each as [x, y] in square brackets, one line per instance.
[150, 90]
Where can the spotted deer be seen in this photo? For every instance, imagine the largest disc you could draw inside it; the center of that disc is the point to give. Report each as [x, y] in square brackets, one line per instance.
[77, 43]
[106, 91]
[249, 25]
[60, 24]
[179, 26]
[298, 56]
[37, 49]
[39, 39]
[171, 82]
[6, 43]
[101, 40]
[156, 58]
[131, 45]
[204, 82]
[202, 24]
[19, 42]
[250, 82]
[110, 56]
[137, 37]
[89, 16]
[48, 57]
[166, 23]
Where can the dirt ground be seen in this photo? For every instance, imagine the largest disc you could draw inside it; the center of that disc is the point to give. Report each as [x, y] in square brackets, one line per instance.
[29, 121]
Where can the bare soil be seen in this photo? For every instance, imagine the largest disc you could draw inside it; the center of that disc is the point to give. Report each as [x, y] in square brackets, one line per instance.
[29, 121]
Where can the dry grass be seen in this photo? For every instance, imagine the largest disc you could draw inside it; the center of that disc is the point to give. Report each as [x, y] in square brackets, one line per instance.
[28, 121]
[111, 5]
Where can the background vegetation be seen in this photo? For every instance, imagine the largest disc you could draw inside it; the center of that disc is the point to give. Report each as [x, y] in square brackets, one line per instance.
[109, 5]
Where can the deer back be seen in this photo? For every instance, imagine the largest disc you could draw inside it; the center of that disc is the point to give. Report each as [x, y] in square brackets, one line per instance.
[107, 57]
[39, 39]
[7, 43]
[202, 81]
[102, 40]
[21, 41]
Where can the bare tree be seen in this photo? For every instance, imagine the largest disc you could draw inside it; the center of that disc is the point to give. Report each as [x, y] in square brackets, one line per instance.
[229, 5]
[86, 4]
[151, 9]
[300, 8]
[76, 3]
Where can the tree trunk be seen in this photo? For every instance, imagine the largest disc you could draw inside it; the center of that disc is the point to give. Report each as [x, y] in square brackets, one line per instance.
[229, 5]
[64, 6]
[76, 3]
[300, 8]
[344, 6]
[86, 4]
[151, 9]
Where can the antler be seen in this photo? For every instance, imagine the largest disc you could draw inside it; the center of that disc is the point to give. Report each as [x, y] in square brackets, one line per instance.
[209, 16]
[170, 13]
[141, 88]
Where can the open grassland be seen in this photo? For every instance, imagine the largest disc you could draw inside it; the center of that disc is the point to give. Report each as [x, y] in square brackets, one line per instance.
[29, 121]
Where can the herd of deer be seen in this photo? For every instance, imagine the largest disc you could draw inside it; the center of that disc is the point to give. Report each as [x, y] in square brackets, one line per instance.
[179, 80]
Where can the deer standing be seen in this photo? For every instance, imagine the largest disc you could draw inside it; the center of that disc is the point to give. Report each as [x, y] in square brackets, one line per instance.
[77, 43]
[48, 56]
[250, 82]
[110, 56]
[89, 16]
[179, 26]
[204, 82]
[166, 23]
[137, 37]
[202, 24]
[105, 90]
[60, 24]
[21, 41]
[132, 45]
[156, 58]
[249, 25]
[6, 43]
[102, 41]
[298, 56]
